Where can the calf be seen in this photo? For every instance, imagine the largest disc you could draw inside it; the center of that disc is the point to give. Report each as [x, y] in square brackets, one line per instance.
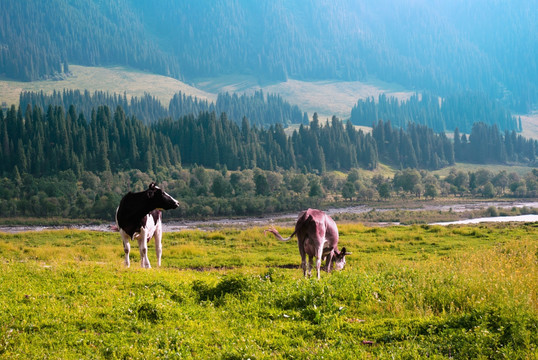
[317, 236]
[139, 216]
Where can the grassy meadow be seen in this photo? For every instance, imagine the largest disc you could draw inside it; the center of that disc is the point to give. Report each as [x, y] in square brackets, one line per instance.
[309, 96]
[113, 79]
[406, 292]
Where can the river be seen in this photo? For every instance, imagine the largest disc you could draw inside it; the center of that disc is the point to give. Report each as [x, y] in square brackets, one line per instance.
[288, 219]
[518, 218]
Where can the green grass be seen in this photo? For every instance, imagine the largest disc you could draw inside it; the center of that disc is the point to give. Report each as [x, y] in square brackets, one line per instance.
[407, 292]
[116, 79]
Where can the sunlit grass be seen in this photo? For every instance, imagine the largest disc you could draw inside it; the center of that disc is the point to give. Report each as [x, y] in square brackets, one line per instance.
[407, 292]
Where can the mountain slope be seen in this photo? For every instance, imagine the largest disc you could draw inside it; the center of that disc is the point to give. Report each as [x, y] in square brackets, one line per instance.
[38, 41]
[442, 46]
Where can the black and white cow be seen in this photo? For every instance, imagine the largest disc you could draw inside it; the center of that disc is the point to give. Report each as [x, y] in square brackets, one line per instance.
[139, 216]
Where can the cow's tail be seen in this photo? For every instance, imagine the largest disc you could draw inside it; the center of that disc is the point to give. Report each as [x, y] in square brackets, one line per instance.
[277, 234]
[304, 220]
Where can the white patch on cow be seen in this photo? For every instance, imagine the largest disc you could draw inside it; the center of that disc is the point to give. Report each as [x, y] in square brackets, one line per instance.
[150, 230]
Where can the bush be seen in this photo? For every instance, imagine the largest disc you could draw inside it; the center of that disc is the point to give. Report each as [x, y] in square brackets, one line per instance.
[492, 211]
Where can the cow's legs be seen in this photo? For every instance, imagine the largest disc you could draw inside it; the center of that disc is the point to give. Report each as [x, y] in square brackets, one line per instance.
[126, 246]
[143, 247]
[303, 266]
[310, 262]
[158, 243]
[318, 262]
[329, 260]
[300, 242]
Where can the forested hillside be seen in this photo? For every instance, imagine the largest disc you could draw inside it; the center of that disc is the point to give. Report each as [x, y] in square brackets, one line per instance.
[441, 46]
[456, 111]
[55, 162]
[44, 142]
[38, 141]
[40, 39]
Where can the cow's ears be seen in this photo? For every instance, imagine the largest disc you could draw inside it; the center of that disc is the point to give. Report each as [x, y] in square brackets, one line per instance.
[344, 252]
[151, 190]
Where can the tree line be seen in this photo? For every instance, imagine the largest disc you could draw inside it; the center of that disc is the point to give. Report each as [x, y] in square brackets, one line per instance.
[262, 109]
[207, 192]
[459, 110]
[215, 142]
[486, 145]
[418, 147]
[413, 183]
[44, 142]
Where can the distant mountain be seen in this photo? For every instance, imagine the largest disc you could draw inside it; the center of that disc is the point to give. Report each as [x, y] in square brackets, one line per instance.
[443, 46]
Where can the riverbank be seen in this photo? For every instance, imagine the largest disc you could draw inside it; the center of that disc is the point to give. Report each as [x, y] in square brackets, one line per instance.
[518, 218]
[389, 214]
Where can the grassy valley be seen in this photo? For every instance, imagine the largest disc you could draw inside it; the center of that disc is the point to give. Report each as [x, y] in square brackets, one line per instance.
[406, 292]
[327, 98]
[309, 96]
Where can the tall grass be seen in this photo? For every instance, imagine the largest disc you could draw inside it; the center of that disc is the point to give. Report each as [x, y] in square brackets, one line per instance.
[461, 292]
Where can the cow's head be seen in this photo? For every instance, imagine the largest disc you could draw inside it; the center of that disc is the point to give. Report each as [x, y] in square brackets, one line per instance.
[160, 199]
[340, 259]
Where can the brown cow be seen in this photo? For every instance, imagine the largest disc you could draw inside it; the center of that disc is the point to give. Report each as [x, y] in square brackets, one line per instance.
[317, 236]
